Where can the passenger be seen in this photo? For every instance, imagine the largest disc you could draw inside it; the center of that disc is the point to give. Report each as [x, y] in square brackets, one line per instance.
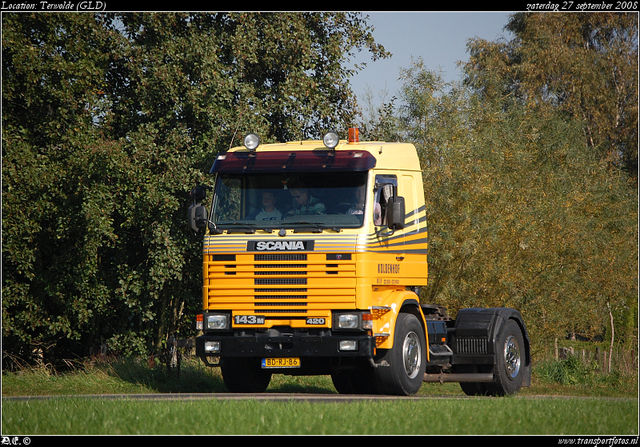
[358, 207]
[304, 203]
[269, 210]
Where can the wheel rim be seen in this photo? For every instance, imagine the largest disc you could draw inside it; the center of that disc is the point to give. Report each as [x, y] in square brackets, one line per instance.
[512, 357]
[412, 355]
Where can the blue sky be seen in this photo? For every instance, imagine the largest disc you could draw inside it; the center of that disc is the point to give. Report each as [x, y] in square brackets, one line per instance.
[440, 38]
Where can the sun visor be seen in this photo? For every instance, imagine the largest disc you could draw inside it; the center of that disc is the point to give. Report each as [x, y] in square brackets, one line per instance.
[315, 161]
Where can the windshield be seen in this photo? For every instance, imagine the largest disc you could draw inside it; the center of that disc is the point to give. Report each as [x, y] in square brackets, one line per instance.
[267, 201]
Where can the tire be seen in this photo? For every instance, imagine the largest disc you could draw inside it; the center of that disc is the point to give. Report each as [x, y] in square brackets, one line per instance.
[407, 359]
[475, 388]
[343, 383]
[510, 361]
[244, 375]
[359, 381]
[508, 369]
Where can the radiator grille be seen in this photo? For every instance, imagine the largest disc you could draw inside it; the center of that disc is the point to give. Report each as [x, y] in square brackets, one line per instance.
[280, 284]
[279, 281]
[281, 257]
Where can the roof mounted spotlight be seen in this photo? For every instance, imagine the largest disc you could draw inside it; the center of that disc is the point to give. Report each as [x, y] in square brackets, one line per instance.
[251, 141]
[331, 139]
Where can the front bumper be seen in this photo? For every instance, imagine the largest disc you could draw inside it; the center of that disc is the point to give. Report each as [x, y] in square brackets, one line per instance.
[293, 344]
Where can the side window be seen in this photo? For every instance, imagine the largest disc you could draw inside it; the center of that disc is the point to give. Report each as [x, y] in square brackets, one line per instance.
[228, 199]
[385, 184]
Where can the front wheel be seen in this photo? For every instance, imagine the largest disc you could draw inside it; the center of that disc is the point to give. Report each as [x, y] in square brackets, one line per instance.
[406, 360]
[244, 375]
[358, 381]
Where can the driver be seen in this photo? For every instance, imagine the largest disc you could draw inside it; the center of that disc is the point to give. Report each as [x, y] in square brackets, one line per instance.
[304, 203]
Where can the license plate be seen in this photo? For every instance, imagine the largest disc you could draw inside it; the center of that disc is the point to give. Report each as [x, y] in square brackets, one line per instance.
[284, 362]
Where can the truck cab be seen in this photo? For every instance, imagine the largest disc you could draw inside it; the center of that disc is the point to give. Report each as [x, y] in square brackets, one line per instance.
[314, 253]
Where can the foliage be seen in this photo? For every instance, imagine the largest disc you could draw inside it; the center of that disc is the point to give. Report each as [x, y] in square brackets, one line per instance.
[573, 372]
[577, 71]
[109, 120]
[583, 64]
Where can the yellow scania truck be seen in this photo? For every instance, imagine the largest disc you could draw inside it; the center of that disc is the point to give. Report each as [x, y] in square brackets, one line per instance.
[314, 253]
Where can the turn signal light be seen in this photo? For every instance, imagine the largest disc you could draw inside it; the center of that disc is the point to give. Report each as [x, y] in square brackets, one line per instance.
[367, 321]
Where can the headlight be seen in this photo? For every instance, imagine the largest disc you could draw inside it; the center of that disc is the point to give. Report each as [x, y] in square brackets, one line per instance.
[217, 322]
[354, 321]
[348, 321]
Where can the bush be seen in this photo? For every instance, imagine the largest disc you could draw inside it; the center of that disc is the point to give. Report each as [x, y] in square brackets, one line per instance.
[569, 371]
[572, 371]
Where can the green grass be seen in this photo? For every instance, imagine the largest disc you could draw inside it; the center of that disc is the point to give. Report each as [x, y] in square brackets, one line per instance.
[565, 378]
[596, 406]
[481, 416]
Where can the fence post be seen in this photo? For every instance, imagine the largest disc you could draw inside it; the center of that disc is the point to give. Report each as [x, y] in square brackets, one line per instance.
[173, 361]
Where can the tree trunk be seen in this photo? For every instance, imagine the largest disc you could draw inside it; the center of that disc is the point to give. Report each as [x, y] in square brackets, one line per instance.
[612, 337]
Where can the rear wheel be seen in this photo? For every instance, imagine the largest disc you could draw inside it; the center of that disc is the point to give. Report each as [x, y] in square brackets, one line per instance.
[406, 360]
[475, 388]
[244, 375]
[508, 369]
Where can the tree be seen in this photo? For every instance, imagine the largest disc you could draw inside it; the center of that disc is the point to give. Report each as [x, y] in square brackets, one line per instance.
[520, 214]
[109, 120]
[56, 220]
[277, 74]
[583, 64]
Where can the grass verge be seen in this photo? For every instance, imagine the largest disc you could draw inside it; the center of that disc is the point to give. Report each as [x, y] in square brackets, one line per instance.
[442, 416]
[596, 406]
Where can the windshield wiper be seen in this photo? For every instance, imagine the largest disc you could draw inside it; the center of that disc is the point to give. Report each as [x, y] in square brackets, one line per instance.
[238, 227]
[314, 227]
[243, 227]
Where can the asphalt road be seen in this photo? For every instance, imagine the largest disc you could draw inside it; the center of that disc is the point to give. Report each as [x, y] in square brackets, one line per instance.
[295, 397]
[243, 396]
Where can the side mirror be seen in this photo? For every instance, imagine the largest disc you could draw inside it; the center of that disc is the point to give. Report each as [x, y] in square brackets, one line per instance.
[197, 213]
[394, 206]
[395, 212]
[197, 217]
